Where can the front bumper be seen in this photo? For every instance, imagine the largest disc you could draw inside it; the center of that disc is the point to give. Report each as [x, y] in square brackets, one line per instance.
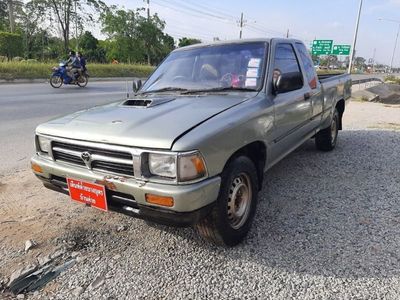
[127, 195]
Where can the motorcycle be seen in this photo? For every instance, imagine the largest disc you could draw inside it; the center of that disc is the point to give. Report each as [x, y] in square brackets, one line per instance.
[60, 77]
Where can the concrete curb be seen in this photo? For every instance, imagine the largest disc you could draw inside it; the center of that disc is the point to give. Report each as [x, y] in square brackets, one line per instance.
[91, 79]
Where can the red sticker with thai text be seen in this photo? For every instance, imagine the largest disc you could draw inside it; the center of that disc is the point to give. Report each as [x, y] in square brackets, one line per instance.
[88, 193]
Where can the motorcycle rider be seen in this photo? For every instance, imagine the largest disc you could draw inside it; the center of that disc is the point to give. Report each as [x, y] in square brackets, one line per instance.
[73, 65]
[82, 60]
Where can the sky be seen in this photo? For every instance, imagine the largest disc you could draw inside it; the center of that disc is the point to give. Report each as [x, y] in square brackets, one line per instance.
[305, 20]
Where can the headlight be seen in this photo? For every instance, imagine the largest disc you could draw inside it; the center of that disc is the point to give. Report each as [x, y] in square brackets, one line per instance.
[44, 144]
[191, 167]
[182, 166]
[163, 165]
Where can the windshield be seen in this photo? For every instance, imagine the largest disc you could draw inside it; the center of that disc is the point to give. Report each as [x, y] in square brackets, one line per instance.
[233, 66]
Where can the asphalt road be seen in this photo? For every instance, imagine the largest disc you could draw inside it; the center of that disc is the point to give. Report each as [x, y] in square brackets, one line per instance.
[24, 106]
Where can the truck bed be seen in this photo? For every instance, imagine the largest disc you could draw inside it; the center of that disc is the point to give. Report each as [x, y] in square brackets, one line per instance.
[325, 77]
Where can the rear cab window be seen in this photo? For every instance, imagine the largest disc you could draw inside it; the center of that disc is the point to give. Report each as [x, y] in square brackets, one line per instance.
[308, 65]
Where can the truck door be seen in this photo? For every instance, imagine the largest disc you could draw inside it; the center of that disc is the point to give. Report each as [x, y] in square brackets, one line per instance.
[312, 84]
[292, 108]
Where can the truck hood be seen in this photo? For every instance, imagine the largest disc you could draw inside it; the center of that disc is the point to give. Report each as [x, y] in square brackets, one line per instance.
[155, 126]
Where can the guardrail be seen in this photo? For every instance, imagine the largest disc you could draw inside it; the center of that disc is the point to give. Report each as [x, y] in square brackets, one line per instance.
[360, 81]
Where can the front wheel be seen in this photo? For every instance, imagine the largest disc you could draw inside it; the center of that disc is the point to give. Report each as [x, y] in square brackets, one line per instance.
[82, 81]
[56, 81]
[326, 139]
[231, 218]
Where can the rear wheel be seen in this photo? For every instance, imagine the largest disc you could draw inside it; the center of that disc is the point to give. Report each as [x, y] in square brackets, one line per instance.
[232, 216]
[82, 81]
[56, 81]
[326, 139]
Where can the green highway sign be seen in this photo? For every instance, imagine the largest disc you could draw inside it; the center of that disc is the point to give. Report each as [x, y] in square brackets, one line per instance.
[322, 47]
[341, 50]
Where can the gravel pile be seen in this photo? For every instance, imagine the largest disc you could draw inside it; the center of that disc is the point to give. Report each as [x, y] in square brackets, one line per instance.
[327, 227]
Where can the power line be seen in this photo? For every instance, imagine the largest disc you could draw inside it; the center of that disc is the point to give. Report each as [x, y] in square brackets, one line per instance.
[186, 7]
[211, 13]
[183, 29]
[214, 10]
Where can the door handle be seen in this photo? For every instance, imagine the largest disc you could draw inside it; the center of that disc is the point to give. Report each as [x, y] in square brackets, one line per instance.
[307, 96]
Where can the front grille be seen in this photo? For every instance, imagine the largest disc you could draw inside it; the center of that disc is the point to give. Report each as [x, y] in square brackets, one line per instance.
[105, 160]
[68, 158]
[93, 150]
[112, 167]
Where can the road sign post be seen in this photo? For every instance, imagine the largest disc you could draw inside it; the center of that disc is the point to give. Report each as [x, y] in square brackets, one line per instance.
[341, 50]
[322, 47]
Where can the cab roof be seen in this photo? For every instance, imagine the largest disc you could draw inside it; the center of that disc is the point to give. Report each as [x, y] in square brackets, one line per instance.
[230, 42]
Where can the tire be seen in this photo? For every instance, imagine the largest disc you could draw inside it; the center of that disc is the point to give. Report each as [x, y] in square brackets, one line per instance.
[56, 81]
[228, 224]
[326, 139]
[82, 81]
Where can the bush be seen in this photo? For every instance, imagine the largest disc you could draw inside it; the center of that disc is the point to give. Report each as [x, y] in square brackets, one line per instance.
[36, 70]
[10, 44]
[392, 79]
[17, 58]
[3, 58]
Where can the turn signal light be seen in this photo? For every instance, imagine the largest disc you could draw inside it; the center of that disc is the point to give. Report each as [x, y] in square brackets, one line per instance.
[36, 168]
[160, 200]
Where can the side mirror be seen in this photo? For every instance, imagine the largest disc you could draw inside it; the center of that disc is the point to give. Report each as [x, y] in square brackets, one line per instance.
[136, 85]
[287, 82]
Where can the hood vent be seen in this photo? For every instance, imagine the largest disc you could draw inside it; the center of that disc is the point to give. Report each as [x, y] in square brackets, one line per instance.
[137, 102]
[145, 103]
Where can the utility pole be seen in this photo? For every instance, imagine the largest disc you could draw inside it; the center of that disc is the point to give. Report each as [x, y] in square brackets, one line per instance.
[148, 20]
[394, 50]
[11, 15]
[242, 22]
[373, 61]
[287, 34]
[353, 49]
[395, 43]
[76, 30]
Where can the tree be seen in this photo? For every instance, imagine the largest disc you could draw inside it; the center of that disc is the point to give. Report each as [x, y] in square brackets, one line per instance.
[9, 14]
[121, 28]
[69, 12]
[3, 15]
[10, 44]
[150, 32]
[89, 45]
[359, 62]
[31, 17]
[133, 37]
[188, 41]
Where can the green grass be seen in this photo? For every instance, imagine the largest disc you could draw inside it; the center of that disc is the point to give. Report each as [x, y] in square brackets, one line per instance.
[32, 70]
[392, 79]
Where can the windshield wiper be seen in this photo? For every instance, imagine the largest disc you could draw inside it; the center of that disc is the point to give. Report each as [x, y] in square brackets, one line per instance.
[166, 89]
[219, 89]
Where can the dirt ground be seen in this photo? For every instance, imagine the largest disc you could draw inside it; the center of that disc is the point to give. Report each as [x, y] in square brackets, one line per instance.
[29, 211]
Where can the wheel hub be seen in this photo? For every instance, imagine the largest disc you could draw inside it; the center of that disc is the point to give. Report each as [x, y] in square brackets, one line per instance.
[239, 201]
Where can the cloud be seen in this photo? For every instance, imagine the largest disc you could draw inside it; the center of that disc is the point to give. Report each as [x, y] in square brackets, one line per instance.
[335, 25]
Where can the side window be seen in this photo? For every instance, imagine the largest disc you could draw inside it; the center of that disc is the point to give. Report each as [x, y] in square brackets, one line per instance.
[287, 65]
[308, 65]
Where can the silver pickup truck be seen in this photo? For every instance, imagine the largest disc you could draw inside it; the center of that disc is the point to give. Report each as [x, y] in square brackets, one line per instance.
[191, 147]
